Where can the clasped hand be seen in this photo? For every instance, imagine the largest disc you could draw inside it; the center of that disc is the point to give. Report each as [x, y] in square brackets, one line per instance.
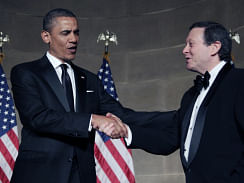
[110, 124]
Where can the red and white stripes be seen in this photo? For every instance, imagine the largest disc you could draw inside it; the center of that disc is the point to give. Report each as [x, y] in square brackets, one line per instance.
[9, 145]
[113, 161]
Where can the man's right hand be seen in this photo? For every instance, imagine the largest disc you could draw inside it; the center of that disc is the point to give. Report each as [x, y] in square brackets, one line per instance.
[111, 126]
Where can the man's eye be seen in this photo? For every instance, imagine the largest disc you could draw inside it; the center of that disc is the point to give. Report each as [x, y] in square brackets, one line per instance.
[65, 32]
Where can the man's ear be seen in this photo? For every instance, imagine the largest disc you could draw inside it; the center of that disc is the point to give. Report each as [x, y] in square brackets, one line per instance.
[215, 47]
[45, 36]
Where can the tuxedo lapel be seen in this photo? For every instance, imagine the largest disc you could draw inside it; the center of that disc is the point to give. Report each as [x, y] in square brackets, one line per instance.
[80, 81]
[197, 133]
[185, 125]
[201, 115]
[51, 78]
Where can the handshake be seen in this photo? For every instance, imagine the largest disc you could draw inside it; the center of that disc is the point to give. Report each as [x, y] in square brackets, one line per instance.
[110, 124]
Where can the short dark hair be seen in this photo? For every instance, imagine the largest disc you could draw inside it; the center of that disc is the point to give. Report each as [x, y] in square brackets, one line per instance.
[216, 32]
[52, 14]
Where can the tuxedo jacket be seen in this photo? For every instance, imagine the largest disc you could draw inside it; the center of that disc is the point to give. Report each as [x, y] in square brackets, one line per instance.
[217, 155]
[51, 134]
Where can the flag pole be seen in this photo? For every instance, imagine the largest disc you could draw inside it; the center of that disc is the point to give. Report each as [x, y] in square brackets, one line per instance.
[8, 131]
[3, 39]
[114, 161]
[107, 37]
[236, 37]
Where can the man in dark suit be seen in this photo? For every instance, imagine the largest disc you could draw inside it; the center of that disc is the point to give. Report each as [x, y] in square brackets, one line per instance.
[60, 105]
[211, 116]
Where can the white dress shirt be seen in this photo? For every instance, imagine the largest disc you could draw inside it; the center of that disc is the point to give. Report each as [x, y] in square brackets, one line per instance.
[213, 74]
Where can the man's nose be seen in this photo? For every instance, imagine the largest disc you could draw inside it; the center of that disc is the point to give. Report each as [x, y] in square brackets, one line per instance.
[74, 38]
[185, 49]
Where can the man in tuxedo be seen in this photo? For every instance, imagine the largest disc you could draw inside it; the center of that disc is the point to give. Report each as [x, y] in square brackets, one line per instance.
[210, 119]
[60, 105]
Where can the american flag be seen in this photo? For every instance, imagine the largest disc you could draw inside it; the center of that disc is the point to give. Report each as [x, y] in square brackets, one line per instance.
[113, 160]
[9, 142]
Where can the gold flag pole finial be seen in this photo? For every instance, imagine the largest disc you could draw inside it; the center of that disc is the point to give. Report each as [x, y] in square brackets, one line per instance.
[236, 37]
[108, 37]
[3, 39]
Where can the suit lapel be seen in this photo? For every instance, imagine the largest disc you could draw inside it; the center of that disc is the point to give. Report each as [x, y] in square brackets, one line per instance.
[51, 78]
[201, 115]
[197, 133]
[185, 125]
[80, 82]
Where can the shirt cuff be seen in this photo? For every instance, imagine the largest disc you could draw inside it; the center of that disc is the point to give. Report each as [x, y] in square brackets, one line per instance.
[128, 139]
[90, 125]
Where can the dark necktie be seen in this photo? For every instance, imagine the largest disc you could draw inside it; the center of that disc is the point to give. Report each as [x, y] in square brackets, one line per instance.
[66, 82]
[202, 81]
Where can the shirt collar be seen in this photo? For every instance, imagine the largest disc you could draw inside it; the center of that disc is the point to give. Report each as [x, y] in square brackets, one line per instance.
[55, 61]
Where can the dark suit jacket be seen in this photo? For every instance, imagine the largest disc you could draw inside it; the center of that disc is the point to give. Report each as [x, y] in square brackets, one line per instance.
[51, 135]
[218, 153]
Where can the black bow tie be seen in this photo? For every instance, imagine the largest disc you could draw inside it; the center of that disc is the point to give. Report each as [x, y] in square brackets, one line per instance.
[202, 81]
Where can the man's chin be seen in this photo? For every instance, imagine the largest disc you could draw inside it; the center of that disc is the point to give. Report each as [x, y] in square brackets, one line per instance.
[70, 58]
[190, 68]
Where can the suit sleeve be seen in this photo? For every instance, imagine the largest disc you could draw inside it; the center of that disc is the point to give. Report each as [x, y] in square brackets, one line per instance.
[157, 138]
[129, 116]
[36, 115]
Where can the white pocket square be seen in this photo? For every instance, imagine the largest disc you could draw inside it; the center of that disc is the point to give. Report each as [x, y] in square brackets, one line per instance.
[89, 91]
